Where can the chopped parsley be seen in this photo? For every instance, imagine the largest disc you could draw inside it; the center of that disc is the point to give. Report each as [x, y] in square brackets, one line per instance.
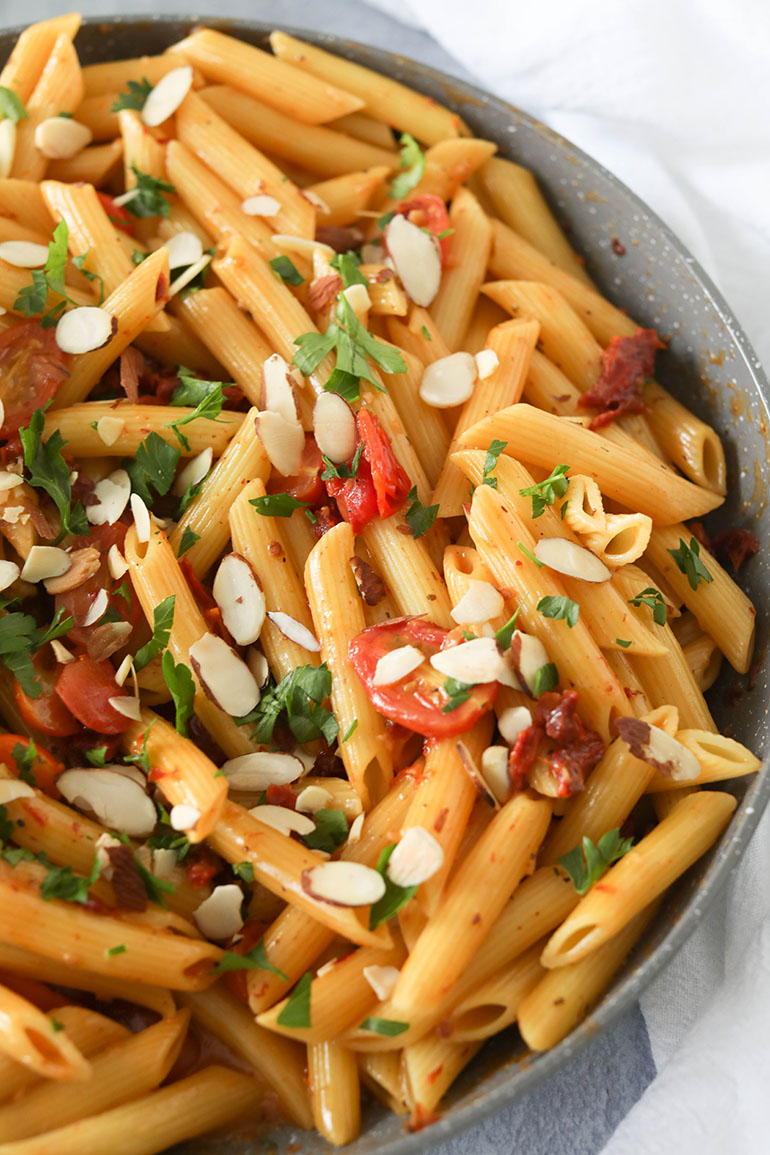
[96, 756]
[189, 538]
[345, 472]
[182, 687]
[559, 608]
[351, 730]
[528, 553]
[154, 464]
[546, 678]
[298, 696]
[206, 396]
[457, 692]
[388, 1028]
[134, 97]
[62, 883]
[426, 332]
[253, 960]
[419, 517]
[348, 265]
[656, 602]
[244, 871]
[280, 505]
[688, 562]
[150, 199]
[353, 344]
[331, 830]
[490, 463]
[120, 949]
[49, 471]
[31, 300]
[162, 621]
[11, 107]
[586, 865]
[504, 635]
[20, 637]
[394, 897]
[25, 758]
[544, 493]
[296, 1013]
[412, 165]
[286, 271]
[622, 643]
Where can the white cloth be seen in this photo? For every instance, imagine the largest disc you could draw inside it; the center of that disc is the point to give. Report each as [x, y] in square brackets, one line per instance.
[674, 97]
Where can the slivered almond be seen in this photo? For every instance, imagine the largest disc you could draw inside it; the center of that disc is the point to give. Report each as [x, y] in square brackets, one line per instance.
[658, 749]
[112, 494]
[282, 440]
[473, 662]
[568, 558]
[513, 721]
[382, 980]
[223, 676]
[417, 258]
[278, 388]
[219, 916]
[486, 363]
[334, 427]
[183, 817]
[396, 665]
[238, 593]
[117, 801]
[356, 826]
[316, 201]
[312, 799]
[167, 95]
[12, 788]
[479, 603]
[343, 884]
[9, 571]
[261, 205]
[163, 863]
[23, 254]
[194, 471]
[85, 563]
[116, 563]
[415, 859]
[284, 820]
[97, 608]
[124, 669]
[84, 329]
[183, 249]
[294, 631]
[261, 769]
[448, 381]
[494, 770]
[60, 138]
[141, 516]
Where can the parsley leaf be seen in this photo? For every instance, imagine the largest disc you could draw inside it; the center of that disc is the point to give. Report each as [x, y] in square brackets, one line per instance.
[32, 298]
[412, 165]
[586, 866]
[419, 517]
[162, 621]
[688, 562]
[312, 348]
[79, 263]
[194, 390]
[559, 607]
[11, 107]
[656, 602]
[353, 344]
[546, 678]
[135, 96]
[299, 695]
[25, 757]
[20, 636]
[394, 897]
[286, 271]
[142, 759]
[622, 643]
[244, 871]
[426, 332]
[48, 471]
[331, 830]
[528, 553]
[388, 1028]
[490, 463]
[504, 635]
[189, 538]
[97, 756]
[60, 882]
[351, 730]
[544, 493]
[346, 472]
[387, 357]
[58, 627]
[459, 692]
[154, 464]
[296, 1013]
[182, 687]
[347, 265]
[277, 504]
[253, 960]
[120, 949]
[149, 200]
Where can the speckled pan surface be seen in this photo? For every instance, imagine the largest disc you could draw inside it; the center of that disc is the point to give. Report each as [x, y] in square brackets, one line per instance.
[711, 367]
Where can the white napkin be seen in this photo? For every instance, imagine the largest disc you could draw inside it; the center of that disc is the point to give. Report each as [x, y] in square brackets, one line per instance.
[674, 97]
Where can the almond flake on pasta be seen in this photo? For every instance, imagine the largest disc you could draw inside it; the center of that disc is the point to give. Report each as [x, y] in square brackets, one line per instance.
[566, 557]
[486, 363]
[167, 95]
[110, 429]
[513, 721]
[294, 631]
[278, 388]
[194, 471]
[84, 329]
[190, 273]
[284, 820]
[343, 883]
[219, 916]
[282, 440]
[261, 205]
[7, 147]
[480, 603]
[448, 381]
[658, 749]
[238, 593]
[312, 799]
[61, 138]
[382, 980]
[12, 788]
[527, 655]
[224, 677]
[183, 817]
[183, 249]
[61, 653]
[255, 772]
[257, 663]
[416, 858]
[97, 609]
[474, 662]
[85, 563]
[417, 259]
[128, 706]
[334, 427]
[117, 801]
[8, 479]
[141, 516]
[494, 770]
[301, 245]
[116, 563]
[112, 495]
[23, 254]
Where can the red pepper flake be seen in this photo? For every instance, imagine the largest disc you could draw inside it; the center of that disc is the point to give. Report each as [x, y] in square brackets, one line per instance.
[627, 363]
[434, 1074]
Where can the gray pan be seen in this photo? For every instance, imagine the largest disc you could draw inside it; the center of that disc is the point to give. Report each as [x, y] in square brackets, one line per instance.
[712, 368]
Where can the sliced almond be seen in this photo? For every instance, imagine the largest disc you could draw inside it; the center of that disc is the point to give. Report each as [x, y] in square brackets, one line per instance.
[448, 381]
[284, 820]
[132, 772]
[84, 329]
[278, 388]
[312, 799]
[85, 563]
[568, 558]
[238, 593]
[106, 639]
[8, 480]
[513, 722]
[416, 858]
[9, 571]
[396, 665]
[257, 663]
[194, 471]
[294, 631]
[112, 494]
[7, 147]
[263, 768]
[658, 749]
[60, 137]
[190, 273]
[219, 916]
[141, 516]
[476, 776]
[128, 706]
[97, 608]
[316, 201]
[343, 884]
[117, 801]
[109, 429]
[167, 95]
[473, 662]
[382, 980]
[417, 259]
[116, 563]
[334, 427]
[12, 788]
[261, 205]
[164, 862]
[61, 653]
[124, 669]
[494, 769]
[45, 561]
[183, 817]
[283, 441]
[486, 363]
[527, 655]
[480, 603]
[356, 826]
[183, 249]
[357, 296]
[23, 254]
[224, 677]
[305, 248]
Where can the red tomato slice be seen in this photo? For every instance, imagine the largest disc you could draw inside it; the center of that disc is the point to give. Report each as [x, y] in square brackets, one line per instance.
[119, 216]
[32, 367]
[307, 484]
[356, 497]
[418, 701]
[85, 687]
[391, 481]
[45, 768]
[46, 713]
[429, 212]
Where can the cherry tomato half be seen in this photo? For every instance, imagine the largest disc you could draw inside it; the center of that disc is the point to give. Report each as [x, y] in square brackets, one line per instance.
[429, 212]
[85, 687]
[356, 497]
[46, 713]
[390, 479]
[45, 769]
[418, 701]
[32, 367]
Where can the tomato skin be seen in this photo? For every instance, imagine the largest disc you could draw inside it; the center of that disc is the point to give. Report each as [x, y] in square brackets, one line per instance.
[307, 484]
[46, 713]
[85, 687]
[390, 479]
[119, 216]
[356, 497]
[45, 768]
[32, 367]
[415, 703]
[429, 212]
